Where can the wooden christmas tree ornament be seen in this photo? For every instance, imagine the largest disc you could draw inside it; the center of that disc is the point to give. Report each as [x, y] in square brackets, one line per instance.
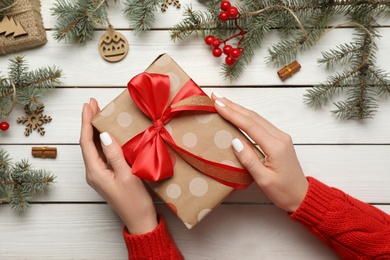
[21, 27]
[113, 46]
[9, 27]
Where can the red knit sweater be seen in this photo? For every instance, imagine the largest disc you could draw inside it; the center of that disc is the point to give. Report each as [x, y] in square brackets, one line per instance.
[353, 229]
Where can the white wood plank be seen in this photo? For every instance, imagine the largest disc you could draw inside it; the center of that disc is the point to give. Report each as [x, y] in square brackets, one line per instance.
[78, 231]
[282, 106]
[119, 20]
[361, 171]
[82, 63]
[72, 222]
[163, 20]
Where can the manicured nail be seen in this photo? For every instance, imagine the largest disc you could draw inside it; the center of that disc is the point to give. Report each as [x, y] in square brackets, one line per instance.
[217, 95]
[106, 139]
[219, 103]
[237, 145]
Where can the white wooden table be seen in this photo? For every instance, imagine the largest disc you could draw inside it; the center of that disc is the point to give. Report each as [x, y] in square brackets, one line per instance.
[73, 222]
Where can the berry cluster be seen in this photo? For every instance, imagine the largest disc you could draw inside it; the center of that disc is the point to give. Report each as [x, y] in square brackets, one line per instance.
[232, 54]
[4, 126]
[228, 11]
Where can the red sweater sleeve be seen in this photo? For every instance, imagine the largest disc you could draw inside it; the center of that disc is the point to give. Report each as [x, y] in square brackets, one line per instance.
[353, 229]
[157, 244]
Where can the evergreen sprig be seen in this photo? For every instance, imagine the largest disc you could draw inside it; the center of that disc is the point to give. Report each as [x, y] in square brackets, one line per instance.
[141, 13]
[30, 85]
[362, 82]
[18, 182]
[77, 20]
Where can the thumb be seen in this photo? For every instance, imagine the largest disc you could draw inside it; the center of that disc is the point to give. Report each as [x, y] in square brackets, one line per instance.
[114, 153]
[250, 160]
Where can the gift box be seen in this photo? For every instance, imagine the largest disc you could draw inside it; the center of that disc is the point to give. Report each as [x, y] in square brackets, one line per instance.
[197, 140]
[21, 26]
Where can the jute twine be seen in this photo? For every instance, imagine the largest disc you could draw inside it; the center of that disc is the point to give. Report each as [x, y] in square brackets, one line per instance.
[13, 96]
[27, 13]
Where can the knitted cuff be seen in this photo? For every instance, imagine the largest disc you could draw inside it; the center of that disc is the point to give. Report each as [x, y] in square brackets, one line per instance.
[157, 244]
[317, 202]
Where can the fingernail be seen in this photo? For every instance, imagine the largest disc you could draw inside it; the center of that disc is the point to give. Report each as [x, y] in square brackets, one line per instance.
[237, 145]
[219, 103]
[106, 139]
[217, 95]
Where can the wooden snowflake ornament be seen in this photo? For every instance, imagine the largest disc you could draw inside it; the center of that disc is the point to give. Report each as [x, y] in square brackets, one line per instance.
[34, 119]
[165, 4]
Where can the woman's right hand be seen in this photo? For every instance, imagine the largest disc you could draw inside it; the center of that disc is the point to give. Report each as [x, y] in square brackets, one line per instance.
[281, 177]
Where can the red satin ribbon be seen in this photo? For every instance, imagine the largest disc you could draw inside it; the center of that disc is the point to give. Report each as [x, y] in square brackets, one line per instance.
[147, 152]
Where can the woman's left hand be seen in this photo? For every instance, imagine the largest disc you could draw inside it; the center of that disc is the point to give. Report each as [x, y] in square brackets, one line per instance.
[109, 174]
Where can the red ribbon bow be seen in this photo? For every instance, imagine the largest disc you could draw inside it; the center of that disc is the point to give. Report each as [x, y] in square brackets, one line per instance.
[147, 152]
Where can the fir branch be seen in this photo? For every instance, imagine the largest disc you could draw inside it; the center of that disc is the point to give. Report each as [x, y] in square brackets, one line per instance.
[361, 102]
[362, 87]
[313, 17]
[286, 51]
[342, 55]
[194, 21]
[141, 13]
[380, 79]
[19, 181]
[5, 160]
[30, 85]
[321, 94]
[77, 20]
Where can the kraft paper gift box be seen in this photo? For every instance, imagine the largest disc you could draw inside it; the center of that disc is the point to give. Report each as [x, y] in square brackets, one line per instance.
[189, 193]
[22, 27]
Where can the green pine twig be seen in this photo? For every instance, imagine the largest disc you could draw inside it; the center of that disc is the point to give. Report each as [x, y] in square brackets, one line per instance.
[18, 182]
[30, 85]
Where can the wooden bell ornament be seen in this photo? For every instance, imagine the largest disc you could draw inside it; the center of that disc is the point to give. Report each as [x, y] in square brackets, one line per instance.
[289, 70]
[113, 46]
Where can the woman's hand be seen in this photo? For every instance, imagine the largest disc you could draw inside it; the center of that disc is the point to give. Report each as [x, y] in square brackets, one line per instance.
[281, 177]
[109, 174]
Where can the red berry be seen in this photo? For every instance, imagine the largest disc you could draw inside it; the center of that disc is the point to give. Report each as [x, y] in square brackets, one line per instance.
[225, 5]
[227, 49]
[230, 61]
[209, 39]
[4, 126]
[216, 43]
[233, 12]
[235, 53]
[224, 16]
[217, 52]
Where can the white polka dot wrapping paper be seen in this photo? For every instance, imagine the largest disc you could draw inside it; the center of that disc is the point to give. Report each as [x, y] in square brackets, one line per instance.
[190, 194]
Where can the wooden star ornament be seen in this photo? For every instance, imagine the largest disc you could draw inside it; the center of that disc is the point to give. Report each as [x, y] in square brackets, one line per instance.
[34, 119]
